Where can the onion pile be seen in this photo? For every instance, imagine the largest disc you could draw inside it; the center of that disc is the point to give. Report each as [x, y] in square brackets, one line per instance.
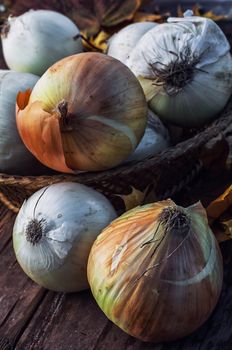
[156, 271]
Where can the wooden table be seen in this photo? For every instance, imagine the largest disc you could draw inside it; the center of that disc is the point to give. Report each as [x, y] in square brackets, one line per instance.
[34, 318]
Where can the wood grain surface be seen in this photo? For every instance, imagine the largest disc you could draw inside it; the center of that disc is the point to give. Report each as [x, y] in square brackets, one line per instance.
[34, 318]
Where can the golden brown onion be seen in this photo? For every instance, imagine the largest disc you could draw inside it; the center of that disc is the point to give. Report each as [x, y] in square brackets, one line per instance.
[87, 112]
[156, 271]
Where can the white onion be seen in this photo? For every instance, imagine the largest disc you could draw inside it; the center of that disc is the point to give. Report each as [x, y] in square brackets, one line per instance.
[35, 40]
[54, 231]
[14, 156]
[184, 67]
[155, 139]
[121, 43]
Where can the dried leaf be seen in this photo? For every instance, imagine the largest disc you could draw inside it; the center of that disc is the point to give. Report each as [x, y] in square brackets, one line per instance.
[151, 17]
[214, 17]
[90, 16]
[220, 205]
[197, 10]
[221, 234]
[180, 12]
[133, 199]
[227, 225]
[99, 41]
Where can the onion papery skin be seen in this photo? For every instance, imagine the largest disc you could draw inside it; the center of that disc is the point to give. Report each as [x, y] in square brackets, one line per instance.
[71, 217]
[106, 114]
[14, 156]
[35, 40]
[159, 291]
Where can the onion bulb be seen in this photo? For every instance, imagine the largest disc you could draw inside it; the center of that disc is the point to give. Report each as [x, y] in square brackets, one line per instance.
[35, 40]
[14, 156]
[155, 139]
[54, 231]
[185, 69]
[121, 43]
[156, 271]
[86, 113]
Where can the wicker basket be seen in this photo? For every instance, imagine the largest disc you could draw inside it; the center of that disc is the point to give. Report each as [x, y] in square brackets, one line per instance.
[161, 175]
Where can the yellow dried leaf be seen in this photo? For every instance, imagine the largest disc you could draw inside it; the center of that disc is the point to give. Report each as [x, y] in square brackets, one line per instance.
[214, 17]
[219, 205]
[133, 199]
[197, 11]
[227, 226]
[98, 41]
[151, 17]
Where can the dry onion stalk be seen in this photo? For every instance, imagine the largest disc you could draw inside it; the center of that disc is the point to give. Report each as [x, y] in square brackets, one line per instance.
[156, 271]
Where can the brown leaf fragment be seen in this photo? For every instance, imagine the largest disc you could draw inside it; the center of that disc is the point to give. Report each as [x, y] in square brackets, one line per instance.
[221, 234]
[133, 199]
[150, 17]
[89, 15]
[227, 225]
[220, 205]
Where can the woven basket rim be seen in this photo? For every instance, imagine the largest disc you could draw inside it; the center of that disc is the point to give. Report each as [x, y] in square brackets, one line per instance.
[215, 127]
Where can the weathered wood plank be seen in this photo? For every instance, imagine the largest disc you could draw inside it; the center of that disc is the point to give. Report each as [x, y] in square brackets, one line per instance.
[75, 322]
[17, 292]
[69, 321]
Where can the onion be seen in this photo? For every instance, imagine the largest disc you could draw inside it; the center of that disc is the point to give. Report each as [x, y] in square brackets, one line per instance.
[54, 231]
[121, 44]
[14, 156]
[155, 139]
[35, 40]
[156, 271]
[87, 112]
[185, 69]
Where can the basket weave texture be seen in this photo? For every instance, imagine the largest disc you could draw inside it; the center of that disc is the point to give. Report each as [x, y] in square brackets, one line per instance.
[163, 174]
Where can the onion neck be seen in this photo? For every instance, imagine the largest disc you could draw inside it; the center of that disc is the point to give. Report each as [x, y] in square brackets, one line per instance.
[175, 220]
[178, 73]
[34, 231]
[64, 116]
